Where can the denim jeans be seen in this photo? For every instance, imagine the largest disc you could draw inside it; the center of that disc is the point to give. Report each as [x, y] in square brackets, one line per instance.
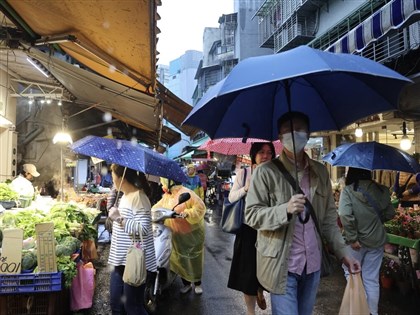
[370, 260]
[125, 299]
[300, 295]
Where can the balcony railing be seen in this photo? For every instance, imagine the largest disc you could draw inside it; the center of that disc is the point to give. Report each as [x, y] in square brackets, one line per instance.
[298, 30]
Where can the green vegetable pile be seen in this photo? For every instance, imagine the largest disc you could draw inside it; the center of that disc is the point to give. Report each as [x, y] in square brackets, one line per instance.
[6, 193]
[29, 259]
[69, 220]
[68, 246]
[68, 268]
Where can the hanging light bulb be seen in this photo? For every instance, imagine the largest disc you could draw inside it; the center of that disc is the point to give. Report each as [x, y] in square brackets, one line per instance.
[62, 137]
[358, 132]
[31, 101]
[59, 103]
[405, 143]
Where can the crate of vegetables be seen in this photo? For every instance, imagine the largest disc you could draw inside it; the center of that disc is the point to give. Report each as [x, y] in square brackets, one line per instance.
[30, 282]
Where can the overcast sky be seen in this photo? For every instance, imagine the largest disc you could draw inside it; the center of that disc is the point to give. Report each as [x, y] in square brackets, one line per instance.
[182, 24]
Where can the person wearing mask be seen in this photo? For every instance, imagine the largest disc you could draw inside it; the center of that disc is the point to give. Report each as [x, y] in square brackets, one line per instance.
[194, 182]
[187, 255]
[288, 244]
[132, 217]
[363, 208]
[22, 184]
[243, 270]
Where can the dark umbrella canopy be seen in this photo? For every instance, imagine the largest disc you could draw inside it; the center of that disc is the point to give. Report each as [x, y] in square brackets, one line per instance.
[129, 154]
[372, 156]
[334, 90]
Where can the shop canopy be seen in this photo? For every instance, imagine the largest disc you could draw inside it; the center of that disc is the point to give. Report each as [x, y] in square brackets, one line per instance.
[393, 15]
[116, 40]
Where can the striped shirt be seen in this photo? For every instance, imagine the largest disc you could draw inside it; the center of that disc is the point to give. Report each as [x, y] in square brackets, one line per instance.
[134, 207]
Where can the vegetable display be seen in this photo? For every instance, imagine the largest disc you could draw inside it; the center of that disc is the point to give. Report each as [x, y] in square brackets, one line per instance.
[72, 225]
[7, 193]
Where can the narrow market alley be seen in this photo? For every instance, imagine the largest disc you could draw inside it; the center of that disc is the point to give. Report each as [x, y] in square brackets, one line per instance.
[218, 299]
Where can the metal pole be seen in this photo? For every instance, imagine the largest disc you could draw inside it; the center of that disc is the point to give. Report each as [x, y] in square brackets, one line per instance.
[62, 173]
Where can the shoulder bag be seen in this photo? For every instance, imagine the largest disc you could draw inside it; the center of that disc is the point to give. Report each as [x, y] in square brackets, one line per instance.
[326, 259]
[233, 213]
[135, 267]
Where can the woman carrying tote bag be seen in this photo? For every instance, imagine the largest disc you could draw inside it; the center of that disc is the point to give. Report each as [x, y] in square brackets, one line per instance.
[132, 215]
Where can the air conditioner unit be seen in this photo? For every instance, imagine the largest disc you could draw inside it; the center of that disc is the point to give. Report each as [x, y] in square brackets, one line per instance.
[8, 148]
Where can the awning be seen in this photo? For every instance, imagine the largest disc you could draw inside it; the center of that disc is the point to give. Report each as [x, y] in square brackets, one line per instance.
[192, 150]
[130, 106]
[116, 39]
[393, 15]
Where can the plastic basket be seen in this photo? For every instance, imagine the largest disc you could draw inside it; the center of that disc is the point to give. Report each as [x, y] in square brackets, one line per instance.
[24, 202]
[7, 204]
[30, 283]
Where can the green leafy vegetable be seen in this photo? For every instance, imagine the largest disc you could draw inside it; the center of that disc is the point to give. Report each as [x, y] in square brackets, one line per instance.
[68, 268]
[7, 193]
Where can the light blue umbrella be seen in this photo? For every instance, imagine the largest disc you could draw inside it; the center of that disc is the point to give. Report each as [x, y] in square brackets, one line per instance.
[129, 154]
[372, 156]
[334, 90]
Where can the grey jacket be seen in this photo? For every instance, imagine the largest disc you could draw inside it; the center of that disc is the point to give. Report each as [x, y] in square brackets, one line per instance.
[266, 205]
[359, 218]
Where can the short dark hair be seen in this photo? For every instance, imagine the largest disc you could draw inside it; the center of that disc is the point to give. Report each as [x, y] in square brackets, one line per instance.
[135, 178]
[256, 146]
[289, 116]
[355, 174]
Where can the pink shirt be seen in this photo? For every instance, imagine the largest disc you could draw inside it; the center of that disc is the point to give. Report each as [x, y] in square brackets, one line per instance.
[305, 249]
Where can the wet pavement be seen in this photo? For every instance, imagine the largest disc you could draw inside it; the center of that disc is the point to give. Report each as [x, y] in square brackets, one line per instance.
[218, 299]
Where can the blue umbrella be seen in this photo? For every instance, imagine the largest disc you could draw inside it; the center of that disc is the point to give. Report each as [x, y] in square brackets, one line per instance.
[334, 90]
[372, 156]
[129, 154]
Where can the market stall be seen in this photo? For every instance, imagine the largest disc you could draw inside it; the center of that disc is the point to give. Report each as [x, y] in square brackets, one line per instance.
[45, 250]
[402, 250]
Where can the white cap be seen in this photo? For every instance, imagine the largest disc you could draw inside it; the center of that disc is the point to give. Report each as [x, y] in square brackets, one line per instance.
[31, 169]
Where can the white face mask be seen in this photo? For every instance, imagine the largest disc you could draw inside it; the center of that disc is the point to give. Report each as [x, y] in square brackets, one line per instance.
[301, 138]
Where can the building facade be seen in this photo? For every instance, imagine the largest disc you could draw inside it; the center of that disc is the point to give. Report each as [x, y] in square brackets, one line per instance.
[386, 31]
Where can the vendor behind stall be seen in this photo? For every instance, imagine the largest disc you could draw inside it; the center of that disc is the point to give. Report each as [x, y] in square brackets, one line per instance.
[22, 184]
[407, 188]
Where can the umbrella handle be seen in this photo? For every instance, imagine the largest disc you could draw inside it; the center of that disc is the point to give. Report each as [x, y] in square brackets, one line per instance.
[119, 187]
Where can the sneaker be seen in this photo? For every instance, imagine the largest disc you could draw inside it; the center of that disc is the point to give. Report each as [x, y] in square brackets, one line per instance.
[185, 288]
[198, 289]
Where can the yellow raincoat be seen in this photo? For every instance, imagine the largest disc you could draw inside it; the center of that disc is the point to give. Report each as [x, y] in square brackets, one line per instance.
[187, 234]
[194, 182]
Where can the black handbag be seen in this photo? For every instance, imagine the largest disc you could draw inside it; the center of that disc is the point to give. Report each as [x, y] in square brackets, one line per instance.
[326, 257]
[233, 213]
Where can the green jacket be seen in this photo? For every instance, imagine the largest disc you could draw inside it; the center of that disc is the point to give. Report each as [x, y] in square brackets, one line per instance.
[359, 218]
[266, 205]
